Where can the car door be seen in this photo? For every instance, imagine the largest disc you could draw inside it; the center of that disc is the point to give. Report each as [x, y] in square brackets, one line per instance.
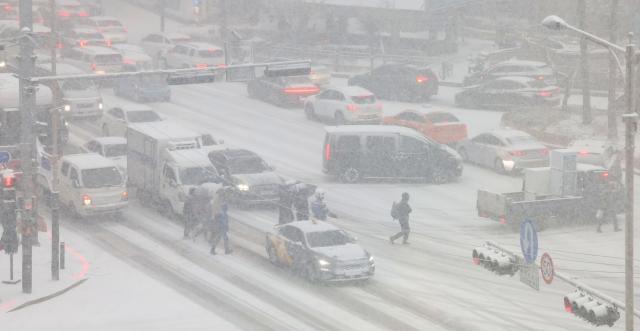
[380, 156]
[474, 148]
[169, 186]
[117, 122]
[381, 81]
[296, 248]
[490, 150]
[490, 94]
[512, 94]
[285, 244]
[412, 159]
[319, 106]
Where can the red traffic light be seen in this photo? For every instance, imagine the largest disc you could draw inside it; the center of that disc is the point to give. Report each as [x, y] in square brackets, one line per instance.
[8, 181]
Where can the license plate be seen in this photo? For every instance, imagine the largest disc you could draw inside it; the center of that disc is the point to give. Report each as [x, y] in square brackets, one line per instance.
[85, 105]
[354, 272]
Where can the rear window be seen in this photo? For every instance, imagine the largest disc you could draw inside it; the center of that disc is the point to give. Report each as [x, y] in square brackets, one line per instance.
[109, 23]
[442, 118]
[143, 116]
[327, 238]
[348, 143]
[298, 80]
[364, 99]
[101, 177]
[109, 59]
[115, 150]
[521, 140]
[211, 52]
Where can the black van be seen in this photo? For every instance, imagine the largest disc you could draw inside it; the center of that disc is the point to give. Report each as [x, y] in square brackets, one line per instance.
[354, 152]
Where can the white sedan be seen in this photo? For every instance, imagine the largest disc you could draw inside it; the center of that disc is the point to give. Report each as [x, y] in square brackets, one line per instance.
[115, 121]
[349, 104]
[113, 148]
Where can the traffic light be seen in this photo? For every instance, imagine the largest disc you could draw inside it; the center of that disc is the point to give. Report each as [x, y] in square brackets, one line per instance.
[494, 259]
[9, 239]
[590, 308]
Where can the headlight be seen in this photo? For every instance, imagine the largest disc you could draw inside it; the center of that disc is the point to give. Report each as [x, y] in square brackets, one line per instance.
[100, 105]
[124, 196]
[86, 200]
[67, 108]
[242, 187]
[371, 260]
[3, 64]
[324, 263]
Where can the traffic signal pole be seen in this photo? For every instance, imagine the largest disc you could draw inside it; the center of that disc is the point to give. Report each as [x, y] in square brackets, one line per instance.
[55, 132]
[27, 140]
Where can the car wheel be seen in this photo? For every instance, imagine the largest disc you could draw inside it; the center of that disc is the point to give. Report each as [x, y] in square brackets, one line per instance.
[498, 165]
[105, 130]
[338, 118]
[310, 112]
[463, 154]
[350, 175]
[271, 254]
[439, 176]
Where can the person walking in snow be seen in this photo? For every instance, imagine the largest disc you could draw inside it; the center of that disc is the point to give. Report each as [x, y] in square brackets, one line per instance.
[319, 209]
[608, 211]
[401, 211]
[189, 213]
[221, 229]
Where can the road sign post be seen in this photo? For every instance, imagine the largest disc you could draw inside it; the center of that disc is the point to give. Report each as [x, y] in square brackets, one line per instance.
[529, 274]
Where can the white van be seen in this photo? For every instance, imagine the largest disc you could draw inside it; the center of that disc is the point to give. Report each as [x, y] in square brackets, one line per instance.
[91, 184]
[95, 59]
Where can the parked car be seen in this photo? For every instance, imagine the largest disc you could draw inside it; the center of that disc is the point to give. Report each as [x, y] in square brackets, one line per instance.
[440, 126]
[252, 179]
[110, 27]
[194, 55]
[95, 59]
[148, 87]
[593, 151]
[349, 104]
[81, 37]
[114, 122]
[506, 151]
[509, 92]
[532, 69]
[283, 90]
[67, 13]
[112, 148]
[403, 82]
[319, 251]
[320, 75]
[157, 44]
[354, 152]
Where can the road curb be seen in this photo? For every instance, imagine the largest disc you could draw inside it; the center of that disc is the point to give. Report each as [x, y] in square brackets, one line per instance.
[48, 297]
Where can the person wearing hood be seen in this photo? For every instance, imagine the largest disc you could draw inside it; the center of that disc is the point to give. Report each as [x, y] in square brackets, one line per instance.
[221, 224]
[301, 195]
[285, 203]
[319, 209]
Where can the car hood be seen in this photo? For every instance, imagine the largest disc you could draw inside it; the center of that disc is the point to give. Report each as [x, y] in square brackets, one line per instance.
[527, 147]
[84, 94]
[342, 253]
[262, 178]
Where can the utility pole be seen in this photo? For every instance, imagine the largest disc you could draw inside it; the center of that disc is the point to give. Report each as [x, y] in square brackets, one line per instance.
[27, 140]
[162, 5]
[55, 122]
[223, 20]
[612, 124]
[584, 64]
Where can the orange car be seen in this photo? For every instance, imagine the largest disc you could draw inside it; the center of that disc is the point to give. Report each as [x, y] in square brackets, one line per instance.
[440, 126]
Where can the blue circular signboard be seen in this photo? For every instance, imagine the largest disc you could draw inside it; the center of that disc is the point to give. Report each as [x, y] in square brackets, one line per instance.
[529, 241]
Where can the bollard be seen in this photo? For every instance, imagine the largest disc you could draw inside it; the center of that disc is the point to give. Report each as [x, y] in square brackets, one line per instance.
[62, 254]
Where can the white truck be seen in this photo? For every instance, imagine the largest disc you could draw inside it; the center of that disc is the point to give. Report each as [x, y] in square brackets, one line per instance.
[164, 161]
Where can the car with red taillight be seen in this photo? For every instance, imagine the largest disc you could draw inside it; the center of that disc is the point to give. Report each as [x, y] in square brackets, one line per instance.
[194, 55]
[95, 59]
[601, 153]
[110, 27]
[506, 151]
[282, 90]
[66, 11]
[81, 37]
[404, 82]
[508, 93]
[440, 126]
[8, 11]
[342, 105]
[532, 69]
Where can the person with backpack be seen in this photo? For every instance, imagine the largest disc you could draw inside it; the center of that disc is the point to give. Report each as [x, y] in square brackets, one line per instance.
[401, 211]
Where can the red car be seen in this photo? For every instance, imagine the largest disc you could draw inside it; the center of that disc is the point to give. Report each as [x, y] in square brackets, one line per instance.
[440, 126]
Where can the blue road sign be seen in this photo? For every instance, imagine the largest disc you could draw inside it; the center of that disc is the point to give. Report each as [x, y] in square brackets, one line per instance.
[5, 157]
[196, 2]
[528, 241]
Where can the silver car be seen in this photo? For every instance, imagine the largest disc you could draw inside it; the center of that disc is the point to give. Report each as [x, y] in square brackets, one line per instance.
[505, 151]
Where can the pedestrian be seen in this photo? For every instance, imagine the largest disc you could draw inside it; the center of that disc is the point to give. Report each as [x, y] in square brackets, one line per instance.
[302, 193]
[401, 211]
[608, 213]
[221, 223]
[188, 213]
[285, 203]
[319, 208]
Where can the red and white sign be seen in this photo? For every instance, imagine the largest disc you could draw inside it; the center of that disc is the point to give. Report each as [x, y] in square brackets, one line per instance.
[546, 268]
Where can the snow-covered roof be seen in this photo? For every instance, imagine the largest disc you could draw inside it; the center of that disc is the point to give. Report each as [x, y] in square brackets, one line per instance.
[135, 56]
[164, 130]
[190, 158]
[128, 48]
[310, 226]
[132, 106]
[521, 63]
[85, 29]
[111, 140]
[519, 79]
[103, 18]
[88, 161]
[9, 95]
[201, 45]
[507, 133]
[372, 129]
[353, 90]
[97, 50]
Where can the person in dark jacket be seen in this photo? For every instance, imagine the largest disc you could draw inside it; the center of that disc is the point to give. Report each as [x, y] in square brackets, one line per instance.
[301, 195]
[221, 223]
[285, 204]
[608, 210]
[402, 211]
[189, 214]
[319, 208]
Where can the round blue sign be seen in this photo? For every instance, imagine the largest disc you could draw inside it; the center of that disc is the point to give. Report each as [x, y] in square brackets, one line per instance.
[529, 241]
[5, 157]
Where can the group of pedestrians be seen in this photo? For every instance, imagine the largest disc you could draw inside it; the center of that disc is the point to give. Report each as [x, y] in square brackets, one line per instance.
[207, 212]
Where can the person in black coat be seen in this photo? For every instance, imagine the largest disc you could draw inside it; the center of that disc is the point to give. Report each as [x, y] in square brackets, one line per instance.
[402, 211]
[285, 203]
[189, 213]
[608, 207]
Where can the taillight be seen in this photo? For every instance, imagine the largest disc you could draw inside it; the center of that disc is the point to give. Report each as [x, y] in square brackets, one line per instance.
[59, 45]
[64, 13]
[583, 153]
[544, 93]
[545, 152]
[125, 196]
[201, 65]
[125, 29]
[540, 77]
[93, 66]
[301, 90]
[108, 43]
[327, 152]
[82, 43]
[221, 65]
[421, 79]
[517, 153]
[352, 107]
[7, 7]
[604, 175]
[378, 106]
[83, 14]
[86, 200]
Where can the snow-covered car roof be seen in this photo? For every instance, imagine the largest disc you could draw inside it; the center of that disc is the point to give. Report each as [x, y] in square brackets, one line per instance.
[171, 35]
[521, 63]
[110, 140]
[88, 161]
[509, 133]
[353, 90]
[192, 158]
[311, 226]
[128, 48]
[519, 79]
[103, 18]
[132, 106]
[236, 153]
[373, 129]
[85, 29]
[200, 45]
[97, 50]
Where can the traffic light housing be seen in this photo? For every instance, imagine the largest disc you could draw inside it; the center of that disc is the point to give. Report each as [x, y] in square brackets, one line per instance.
[590, 308]
[495, 260]
[9, 239]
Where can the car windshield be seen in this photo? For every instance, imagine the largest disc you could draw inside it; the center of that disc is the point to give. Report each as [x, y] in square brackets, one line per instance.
[327, 238]
[442, 118]
[78, 85]
[364, 99]
[521, 140]
[115, 150]
[90, 35]
[211, 52]
[101, 177]
[197, 175]
[138, 116]
[246, 165]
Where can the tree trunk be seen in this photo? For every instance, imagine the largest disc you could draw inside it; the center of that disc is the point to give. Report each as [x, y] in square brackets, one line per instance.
[584, 64]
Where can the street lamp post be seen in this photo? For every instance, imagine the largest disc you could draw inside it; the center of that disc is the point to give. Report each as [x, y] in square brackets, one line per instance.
[630, 119]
